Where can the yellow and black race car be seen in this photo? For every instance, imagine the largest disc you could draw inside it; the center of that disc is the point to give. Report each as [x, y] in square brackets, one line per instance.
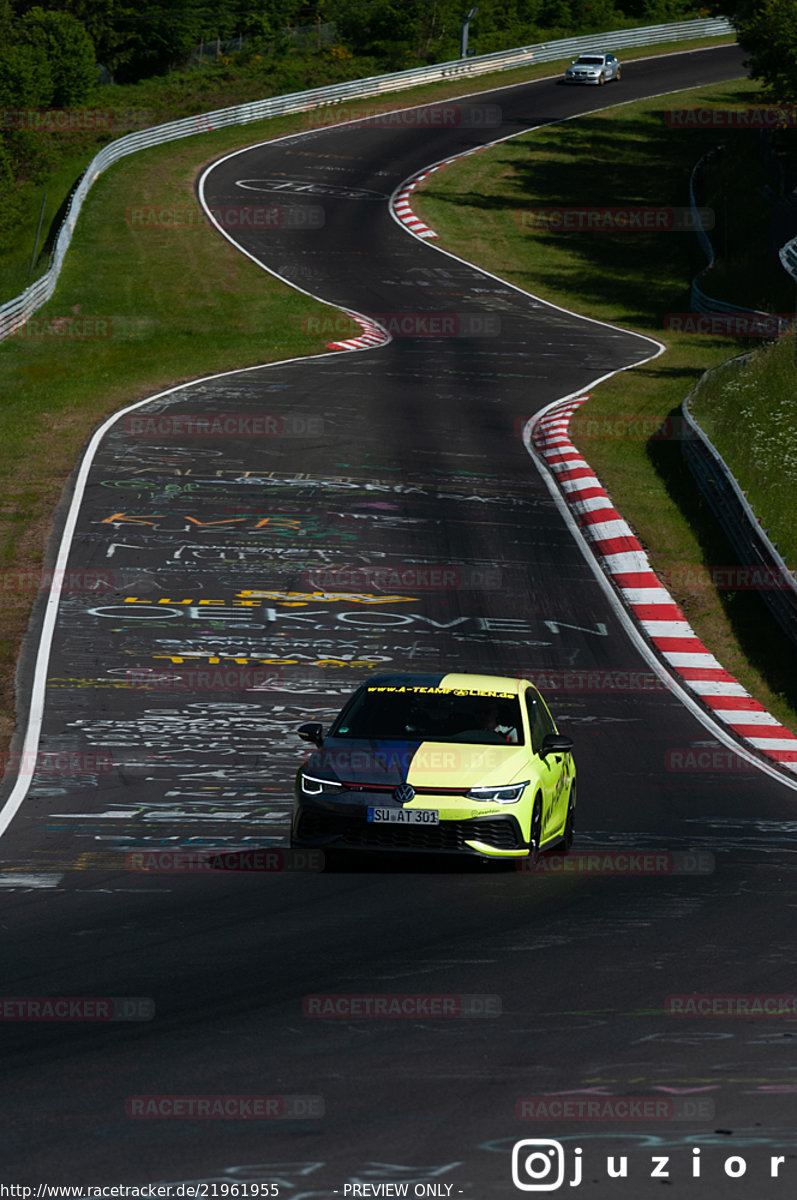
[469, 764]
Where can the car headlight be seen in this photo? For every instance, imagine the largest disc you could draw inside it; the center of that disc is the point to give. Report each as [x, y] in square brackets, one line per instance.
[312, 785]
[509, 794]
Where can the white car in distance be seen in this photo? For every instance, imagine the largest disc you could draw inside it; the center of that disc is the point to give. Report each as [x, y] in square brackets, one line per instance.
[593, 68]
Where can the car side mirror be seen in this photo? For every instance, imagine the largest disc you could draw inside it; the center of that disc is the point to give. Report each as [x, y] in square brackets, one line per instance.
[555, 743]
[312, 732]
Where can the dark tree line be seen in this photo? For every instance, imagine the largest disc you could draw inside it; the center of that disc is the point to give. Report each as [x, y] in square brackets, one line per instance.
[135, 41]
[767, 30]
[49, 49]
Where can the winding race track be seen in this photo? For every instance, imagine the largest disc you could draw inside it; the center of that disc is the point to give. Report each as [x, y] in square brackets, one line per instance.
[217, 621]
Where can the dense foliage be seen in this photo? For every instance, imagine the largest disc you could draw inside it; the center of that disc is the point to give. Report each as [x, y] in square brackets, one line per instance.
[179, 56]
[767, 29]
[134, 41]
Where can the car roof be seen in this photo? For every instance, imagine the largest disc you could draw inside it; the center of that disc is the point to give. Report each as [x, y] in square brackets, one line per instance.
[458, 681]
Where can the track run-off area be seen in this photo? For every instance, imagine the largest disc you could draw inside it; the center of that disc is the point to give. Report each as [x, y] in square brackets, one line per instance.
[217, 521]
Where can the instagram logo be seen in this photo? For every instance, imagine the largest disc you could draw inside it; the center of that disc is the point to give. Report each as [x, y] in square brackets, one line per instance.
[538, 1165]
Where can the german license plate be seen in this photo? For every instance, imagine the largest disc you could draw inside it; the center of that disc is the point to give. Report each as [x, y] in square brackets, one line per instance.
[404, 816]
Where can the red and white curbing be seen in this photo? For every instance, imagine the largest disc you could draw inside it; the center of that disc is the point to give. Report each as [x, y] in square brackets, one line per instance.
[625, 561]
[372, 335]
[401, 207]
[400, 204]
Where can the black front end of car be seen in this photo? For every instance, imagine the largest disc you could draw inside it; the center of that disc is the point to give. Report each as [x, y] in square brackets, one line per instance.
[331, 808]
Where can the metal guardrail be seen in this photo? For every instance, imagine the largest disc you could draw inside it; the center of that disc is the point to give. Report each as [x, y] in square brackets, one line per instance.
[788, 258]
[699, 301]
[15, 312]
[759, 560]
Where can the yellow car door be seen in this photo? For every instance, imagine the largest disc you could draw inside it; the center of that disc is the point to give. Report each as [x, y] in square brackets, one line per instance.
[551, 768]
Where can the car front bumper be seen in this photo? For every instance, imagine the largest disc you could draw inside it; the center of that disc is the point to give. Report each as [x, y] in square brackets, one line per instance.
[487, 837]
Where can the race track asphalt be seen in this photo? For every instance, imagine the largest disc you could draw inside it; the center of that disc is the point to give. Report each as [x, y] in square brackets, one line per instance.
[209, 550]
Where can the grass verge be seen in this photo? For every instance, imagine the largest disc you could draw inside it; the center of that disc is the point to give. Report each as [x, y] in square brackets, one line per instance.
[625, 156]
[155, 101]
[749, 410]
[151, 307]
[157, 298]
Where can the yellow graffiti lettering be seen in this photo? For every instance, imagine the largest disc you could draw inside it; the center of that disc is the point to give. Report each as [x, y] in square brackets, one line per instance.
[297, 599]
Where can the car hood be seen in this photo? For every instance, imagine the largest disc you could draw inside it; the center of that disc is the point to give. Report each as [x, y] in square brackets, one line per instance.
[445, 765]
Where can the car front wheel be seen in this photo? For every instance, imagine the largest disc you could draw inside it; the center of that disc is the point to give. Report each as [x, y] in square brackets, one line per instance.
[602, 78]
[570, 825]
[535, 832]
[617, 76]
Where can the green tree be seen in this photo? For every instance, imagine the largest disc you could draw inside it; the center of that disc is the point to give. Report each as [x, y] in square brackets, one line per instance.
[68, 49]
[382, 27]
[769, 35]
[25, 77]
[767, 30]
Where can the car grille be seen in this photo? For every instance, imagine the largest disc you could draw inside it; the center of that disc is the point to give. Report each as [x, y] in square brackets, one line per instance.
[503, 833]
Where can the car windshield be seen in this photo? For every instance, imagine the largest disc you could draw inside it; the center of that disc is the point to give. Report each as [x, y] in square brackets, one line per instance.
[399, 712]
[589, 60]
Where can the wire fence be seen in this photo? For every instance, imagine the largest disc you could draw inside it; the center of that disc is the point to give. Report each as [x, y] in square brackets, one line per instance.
[14, 313]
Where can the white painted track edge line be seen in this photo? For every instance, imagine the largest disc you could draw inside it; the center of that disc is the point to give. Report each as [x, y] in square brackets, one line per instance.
[30, 741]
[522, 291]
[619, 608]
[630, 627]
